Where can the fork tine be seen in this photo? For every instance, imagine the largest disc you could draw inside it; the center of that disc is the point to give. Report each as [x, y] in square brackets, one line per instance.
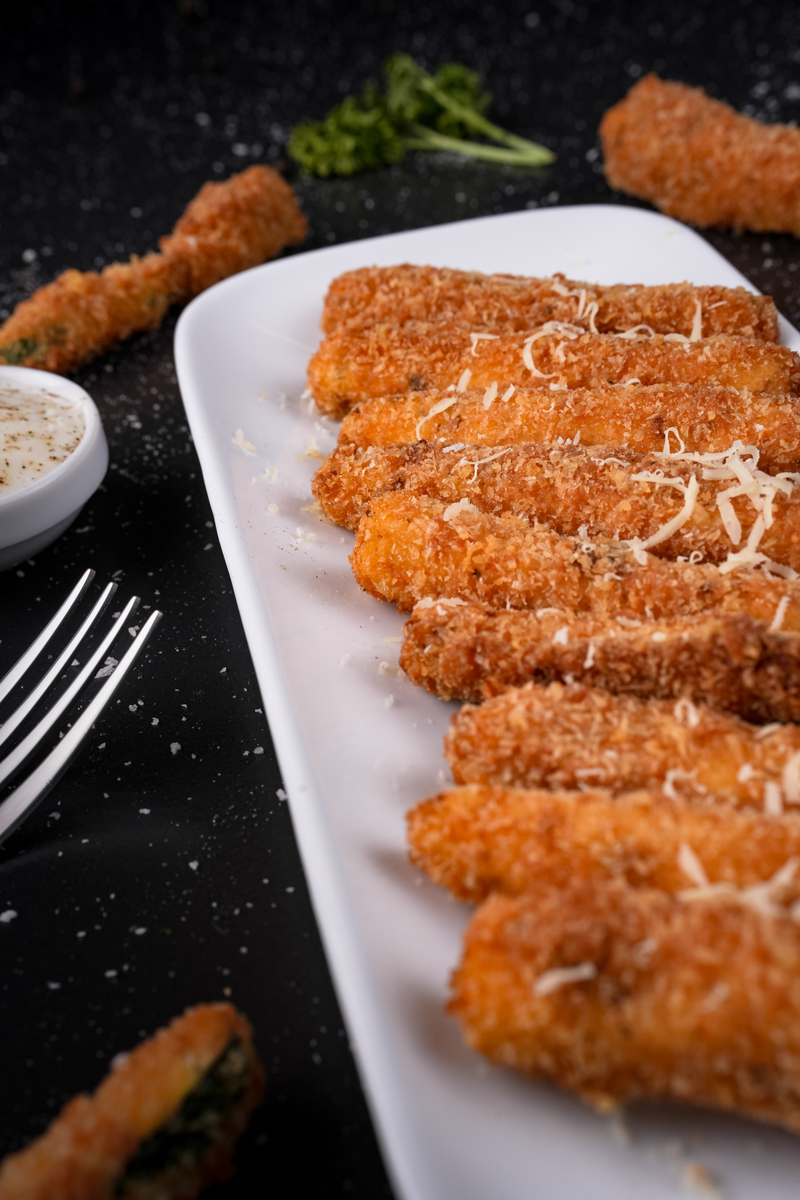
[16, 757]
[29, 703]
[32, 790]
[12, 677]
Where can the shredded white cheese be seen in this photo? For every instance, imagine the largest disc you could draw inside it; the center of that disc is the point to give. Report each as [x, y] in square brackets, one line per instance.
[697, 324]
[773, 799]
[635, 331]
[241, 441]
[463, 382]
[558, 977]
[739, 463]
[686, 713]
[481, 337]
[691, 866]
[440, 406]
[561, 636]
[478, 462]
[460, 506]
[490, 395]
[780, 613]
[690, 490]
[790, 778]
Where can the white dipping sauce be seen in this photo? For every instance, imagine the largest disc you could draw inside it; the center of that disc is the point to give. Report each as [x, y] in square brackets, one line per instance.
[38, 430]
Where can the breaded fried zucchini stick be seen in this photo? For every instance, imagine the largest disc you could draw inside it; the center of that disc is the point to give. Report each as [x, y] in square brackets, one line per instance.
[383, 360]
[621, 994]
[504, 303]
[705, 417]
[162, 1124]
[480, 839]
[569, 736]
[665, 505]
[463, 651]
[227, 228]
[697, 159]
[409, 547]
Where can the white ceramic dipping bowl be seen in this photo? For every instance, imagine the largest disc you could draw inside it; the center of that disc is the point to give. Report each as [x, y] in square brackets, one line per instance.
[33, 516]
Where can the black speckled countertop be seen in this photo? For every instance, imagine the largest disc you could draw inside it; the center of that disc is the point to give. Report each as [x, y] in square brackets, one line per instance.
[162, 870]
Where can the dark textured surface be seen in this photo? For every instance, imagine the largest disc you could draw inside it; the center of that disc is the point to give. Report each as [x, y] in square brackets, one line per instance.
[111, 117]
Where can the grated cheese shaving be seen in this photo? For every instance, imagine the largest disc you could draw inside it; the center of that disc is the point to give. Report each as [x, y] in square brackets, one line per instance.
[697, 324]
[460, 506]
[561, 636]
[490, 395]
[686, 713]
[478, 462]
[558, 977]
[681, 338]
[241, 441]
[739, 463]
[790, 779]
[773, 799]
[677, 776]
[690, 490]
[780, 613]
[547, 330]
[691, 866]
[481, 337]
[589, 660]
[509, 392]
[635, 331]
[439, 407]
[429, 601]
[463, 382]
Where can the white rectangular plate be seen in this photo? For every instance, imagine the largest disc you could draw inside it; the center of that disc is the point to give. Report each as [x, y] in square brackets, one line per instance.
[358, 745]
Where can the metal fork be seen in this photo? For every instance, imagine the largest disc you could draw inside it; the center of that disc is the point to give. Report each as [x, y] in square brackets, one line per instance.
[24, 798]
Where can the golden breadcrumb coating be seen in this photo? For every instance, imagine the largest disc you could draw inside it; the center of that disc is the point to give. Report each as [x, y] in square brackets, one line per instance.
[622, 993]
[231, 226]
[480, 839]
[82, 314]
[603, 491]
[397, 295]
[699, 160]
[569, 736]
[464, 651]
[385, 360]
[707, 418]
[409, 547]
[90, 1151]
[227, 227]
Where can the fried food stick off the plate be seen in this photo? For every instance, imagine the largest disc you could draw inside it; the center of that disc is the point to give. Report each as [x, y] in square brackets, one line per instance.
[601, 492]
[385, 360]
[621, 993]
[481, 839]
[570, 736]
[471, 652]
[397, 295]
[227, 228]
[409, 547]
[706, 418]
[162, 1124]
[697, 159]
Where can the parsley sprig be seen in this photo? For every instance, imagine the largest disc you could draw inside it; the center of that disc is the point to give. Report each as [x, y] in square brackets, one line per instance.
[416, 111]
